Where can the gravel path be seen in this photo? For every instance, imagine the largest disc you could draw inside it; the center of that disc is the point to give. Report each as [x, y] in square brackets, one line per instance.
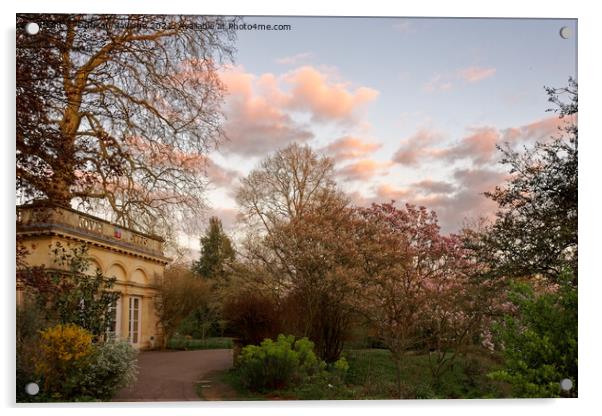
[172, 375]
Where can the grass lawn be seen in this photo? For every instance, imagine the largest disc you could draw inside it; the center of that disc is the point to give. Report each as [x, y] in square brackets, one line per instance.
[371, 375]
[216, 343]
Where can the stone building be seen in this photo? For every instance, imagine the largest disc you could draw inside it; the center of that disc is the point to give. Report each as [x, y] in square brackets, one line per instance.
[135, 259]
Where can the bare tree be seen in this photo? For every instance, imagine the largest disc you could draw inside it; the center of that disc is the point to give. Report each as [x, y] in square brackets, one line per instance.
[298, 244]
[284, 186]
[118, 112]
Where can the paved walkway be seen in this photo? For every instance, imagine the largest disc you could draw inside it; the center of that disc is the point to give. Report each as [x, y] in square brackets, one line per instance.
[172, 375]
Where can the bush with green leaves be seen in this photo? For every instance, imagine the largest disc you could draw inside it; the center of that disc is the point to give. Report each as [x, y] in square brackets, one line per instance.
[111, 366]
[278, 364]
[540, 340]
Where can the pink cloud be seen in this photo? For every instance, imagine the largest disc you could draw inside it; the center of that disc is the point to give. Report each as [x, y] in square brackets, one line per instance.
[436, 187]
[260, 110]
[362, 170]
[326, 100]
[255, 123]
[476, 74]
[480, 146]
[538, 130]
[455, 202]
[219, 175]
[294, 59]
[386, 192]
[438, 82]
[349, 147]
[446, 81]
[416, 147]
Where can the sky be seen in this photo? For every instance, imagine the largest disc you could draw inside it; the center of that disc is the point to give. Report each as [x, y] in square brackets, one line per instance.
[410, 109]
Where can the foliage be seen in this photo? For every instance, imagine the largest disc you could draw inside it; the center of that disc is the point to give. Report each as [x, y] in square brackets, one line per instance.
[180, 293]
[540, 341]
[204, 321]
[216, 251]
[315, 260]
[185, 343]
[63, 349]
[252, 316]
[372, 375]
[71, 293]
[31, 320]
[534, 244]
[278, 364]
[69, 359]
[416, 286]
[72, 368]
[120, 112]
[535, 232]
[110, 367]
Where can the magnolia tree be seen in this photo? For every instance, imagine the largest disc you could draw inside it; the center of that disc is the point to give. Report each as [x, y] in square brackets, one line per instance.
[414, 285]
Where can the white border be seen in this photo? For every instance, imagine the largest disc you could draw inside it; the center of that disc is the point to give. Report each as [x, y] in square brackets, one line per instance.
[590, 230]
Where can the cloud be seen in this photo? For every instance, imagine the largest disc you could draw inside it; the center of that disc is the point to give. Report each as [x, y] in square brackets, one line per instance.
[446, 81]
[455, 201]
[349, 147]
[538, 130]
[325, 100]
[362, 170]
[476, 74]
[294, 59]
[438, 82]
[479, 146]
[387, 192]
[437, 187]
[219, 175]
[416, 147]
[255, 123]
[228, 216]
[261, 111]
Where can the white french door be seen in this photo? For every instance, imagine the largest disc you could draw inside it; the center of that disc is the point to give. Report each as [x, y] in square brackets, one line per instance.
[114, 326]
[134, 321]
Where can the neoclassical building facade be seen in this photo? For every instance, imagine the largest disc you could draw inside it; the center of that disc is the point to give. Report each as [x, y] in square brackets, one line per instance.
[135, 259]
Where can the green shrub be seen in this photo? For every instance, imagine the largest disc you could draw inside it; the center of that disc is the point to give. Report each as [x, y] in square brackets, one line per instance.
[278, 364]
[179, 342]
[540, 341]
[109, 368]
[69, 367]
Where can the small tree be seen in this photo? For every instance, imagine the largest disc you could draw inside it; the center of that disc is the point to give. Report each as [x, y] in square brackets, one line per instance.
[70, 293]
[315, 253]
[216, 251]
[180, 293]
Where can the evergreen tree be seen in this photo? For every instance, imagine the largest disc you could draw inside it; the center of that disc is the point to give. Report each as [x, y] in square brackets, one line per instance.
[216, 250]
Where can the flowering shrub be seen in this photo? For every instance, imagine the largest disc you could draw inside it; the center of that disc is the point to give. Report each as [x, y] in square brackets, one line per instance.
[278, 364]
[62, 349]
[72, 368]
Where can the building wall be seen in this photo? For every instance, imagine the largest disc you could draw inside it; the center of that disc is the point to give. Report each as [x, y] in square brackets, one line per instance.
[135, 276]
